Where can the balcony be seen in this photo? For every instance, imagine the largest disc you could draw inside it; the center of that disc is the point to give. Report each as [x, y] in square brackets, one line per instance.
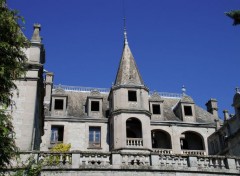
[134, 142]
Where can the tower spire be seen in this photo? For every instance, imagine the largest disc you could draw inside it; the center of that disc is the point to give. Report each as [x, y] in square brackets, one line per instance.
[125, 31]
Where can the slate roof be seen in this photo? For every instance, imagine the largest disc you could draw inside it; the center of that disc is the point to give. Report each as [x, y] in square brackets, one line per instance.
[128, 72]
[77, 102]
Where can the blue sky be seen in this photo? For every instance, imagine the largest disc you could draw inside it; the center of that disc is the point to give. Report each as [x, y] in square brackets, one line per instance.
[174, 43]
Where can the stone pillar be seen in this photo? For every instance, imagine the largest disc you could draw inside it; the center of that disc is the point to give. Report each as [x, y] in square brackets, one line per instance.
[48, 87]
[75, 160]
[116, 160]
[154, 160]
[230, 163]
[192, 162]
[226, 115]
[212, 107]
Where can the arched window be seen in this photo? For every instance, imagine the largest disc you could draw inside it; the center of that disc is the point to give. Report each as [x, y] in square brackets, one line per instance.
[191, 141]
[133, 128]
[161, 139]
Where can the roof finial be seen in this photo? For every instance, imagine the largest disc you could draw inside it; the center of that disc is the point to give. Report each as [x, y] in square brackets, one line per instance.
[125, 31]
[237, 89]
[184, 90]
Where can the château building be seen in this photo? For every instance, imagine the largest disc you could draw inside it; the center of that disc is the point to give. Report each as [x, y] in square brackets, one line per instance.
[127, 117]
[124, 129]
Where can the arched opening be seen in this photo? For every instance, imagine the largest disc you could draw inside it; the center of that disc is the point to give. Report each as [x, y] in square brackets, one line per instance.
[134, 128]
[191, 141]
[161, 139]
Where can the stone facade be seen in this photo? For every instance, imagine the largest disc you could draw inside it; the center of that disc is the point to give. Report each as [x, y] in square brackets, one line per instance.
[126, 129]
[127, 117]
[226, 141]
[27, 112]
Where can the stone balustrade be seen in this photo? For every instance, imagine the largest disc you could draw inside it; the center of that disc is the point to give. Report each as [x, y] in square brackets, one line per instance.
[55, 159]
[212, 162]
[173, 160]
[194, 152]
[94, 159]
[134, 142]
[162, 151]
[77, 161]
[135, 160]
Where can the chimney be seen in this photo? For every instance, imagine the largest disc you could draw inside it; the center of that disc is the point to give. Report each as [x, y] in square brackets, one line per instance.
[226, 115]
[212, 107]
[48, 87]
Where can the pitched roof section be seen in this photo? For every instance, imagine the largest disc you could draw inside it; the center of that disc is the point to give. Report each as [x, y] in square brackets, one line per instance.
[127, 71]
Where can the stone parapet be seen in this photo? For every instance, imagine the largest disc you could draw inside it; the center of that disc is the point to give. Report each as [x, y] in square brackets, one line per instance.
[78, 161]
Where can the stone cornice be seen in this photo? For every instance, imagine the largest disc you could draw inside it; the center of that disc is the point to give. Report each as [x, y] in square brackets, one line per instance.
[132, 111]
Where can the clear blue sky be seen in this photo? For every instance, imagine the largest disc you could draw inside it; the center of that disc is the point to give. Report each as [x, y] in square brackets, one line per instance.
[174, 43]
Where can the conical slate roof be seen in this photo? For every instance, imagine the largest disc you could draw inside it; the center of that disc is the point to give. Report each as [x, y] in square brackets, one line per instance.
[127, 71]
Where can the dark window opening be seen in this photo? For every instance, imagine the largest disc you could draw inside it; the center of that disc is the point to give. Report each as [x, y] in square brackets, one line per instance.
[161, 139]
[58, 105]
[188, 110]
[95, 137]
[132, 95]
[156, 109]
[184, 144]
[133, 128]
[107, 113]
[57, 134]
[191, 141]
[94, 105]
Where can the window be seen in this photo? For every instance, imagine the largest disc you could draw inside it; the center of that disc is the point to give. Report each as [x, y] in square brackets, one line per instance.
[57, 134]
[188, 110]
[94, 105]
[132, 95]
[156, 109]
[95, 137]
[58, 105]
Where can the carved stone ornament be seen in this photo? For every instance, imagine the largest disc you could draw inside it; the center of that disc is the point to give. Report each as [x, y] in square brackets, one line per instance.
[59, 90]
[156, 97]
[95, 92]
[187, 99]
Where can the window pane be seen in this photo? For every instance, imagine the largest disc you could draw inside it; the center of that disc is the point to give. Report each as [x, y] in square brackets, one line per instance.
[94, 137]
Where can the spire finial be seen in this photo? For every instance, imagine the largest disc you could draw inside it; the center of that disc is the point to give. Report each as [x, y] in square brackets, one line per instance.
[125, 31]
[183, 90]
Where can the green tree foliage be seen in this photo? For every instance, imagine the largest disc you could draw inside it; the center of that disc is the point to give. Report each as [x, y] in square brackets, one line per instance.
[235, 15]
[12, 67]
[61, 148]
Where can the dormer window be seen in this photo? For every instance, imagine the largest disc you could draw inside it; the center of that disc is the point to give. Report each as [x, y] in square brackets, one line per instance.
[132, 95]
[94, 105]
[58, 105]
[156, 109]
[188, 111]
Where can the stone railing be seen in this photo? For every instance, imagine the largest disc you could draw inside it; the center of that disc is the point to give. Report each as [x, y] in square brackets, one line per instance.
[173, 160]
[135, 160]
[77, 161]
[162, 151]
[134, 142]
[194, 152]
[212, 162]
[89, 159]
[53, 159]
[106, 90]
